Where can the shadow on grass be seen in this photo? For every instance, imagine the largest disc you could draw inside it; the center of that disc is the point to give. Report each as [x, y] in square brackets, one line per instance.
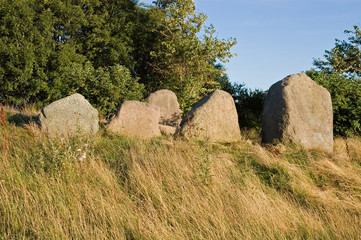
[21, 119]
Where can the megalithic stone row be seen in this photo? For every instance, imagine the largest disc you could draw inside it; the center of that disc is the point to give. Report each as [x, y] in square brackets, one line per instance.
[136, 119]
[214, 118]
[69, 116]
[298, 110]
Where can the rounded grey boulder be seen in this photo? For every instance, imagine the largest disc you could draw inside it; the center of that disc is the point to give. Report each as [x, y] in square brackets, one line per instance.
[136, 119]
[214, 118]
[166, 100]
[299, 110]
[69, 116]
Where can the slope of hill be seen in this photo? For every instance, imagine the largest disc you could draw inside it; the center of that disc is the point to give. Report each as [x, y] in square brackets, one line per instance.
[171, 189]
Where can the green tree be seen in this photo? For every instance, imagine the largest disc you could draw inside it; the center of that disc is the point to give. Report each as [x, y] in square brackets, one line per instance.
[51, 48]
[182, 60]
[108, 87]
[346, 101]
[107, 36]
[340, 75]
[249, 104]
[345, 57]
[25, 32]
[93, 55]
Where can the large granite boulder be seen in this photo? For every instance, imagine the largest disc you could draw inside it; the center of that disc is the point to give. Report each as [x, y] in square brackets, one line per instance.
[298, 110]
[166, 100]
[214, 118]
[136, 119]
[69, 116]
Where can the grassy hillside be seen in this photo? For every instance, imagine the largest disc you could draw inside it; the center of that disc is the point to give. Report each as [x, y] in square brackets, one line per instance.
[172, 189]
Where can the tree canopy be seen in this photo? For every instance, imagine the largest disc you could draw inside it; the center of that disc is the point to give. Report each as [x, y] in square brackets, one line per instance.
[184, 58]
[345, 57]
[340, 74]
[346, 101]
[109, 51]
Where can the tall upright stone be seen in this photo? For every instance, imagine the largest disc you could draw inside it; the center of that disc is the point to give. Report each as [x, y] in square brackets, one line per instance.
[69, 116]
[214, 118]
[136, 119]
[298, 110]
[166, 100]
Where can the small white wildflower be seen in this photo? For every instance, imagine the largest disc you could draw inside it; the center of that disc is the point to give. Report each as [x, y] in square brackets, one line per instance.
[80, 159]
[85, 146]
[78, 150]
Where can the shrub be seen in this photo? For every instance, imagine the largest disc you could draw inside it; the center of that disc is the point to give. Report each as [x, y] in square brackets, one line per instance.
[346, 100]
[249, 104]
[105, 87]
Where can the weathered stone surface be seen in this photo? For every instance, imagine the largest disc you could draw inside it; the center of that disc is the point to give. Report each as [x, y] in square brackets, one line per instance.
[166, 100]
[167, 130]
[69, 116]
[136, 119]
[214, 118]
[297, 109]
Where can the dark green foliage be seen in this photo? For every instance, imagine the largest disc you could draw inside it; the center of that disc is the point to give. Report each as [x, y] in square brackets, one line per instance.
[20, 119]
[51, 49]
[182, 52]
[340, 75]
[249, 103]
[109, 51]
[25, 31]
[106, 87]
[346, 100]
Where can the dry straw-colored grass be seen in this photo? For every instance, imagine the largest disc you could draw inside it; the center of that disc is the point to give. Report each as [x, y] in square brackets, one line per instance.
[171, 189]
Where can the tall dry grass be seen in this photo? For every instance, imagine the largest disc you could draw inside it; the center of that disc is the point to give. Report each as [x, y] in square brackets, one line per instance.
[171, 189]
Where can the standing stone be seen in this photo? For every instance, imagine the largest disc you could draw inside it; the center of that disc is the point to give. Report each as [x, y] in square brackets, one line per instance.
[299, 110]
[214, 118]
[136, 119]
[166, 100]
[69, 116]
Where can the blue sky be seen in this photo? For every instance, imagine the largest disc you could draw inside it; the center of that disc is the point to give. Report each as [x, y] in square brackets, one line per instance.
[276, 38]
